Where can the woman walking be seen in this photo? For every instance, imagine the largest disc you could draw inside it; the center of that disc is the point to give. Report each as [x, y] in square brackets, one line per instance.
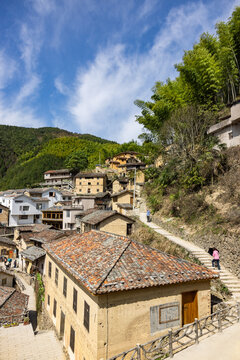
[215, 258]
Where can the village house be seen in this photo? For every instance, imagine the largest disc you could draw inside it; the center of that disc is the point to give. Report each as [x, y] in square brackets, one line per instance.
[100, 200]
[121, 159]
[228, 130]
[4, 215]
[6, 278]
[7, 247]
[106, 293]
[61, 178]
[13, 305]
[53, 216]
[69, 216]
[28, 242]
[122, 201]
[90, 183]
[49, 195]
[109, 221]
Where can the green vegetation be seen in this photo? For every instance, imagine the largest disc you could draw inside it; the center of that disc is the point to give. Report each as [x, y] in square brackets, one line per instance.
[40, 291]
[177, 118]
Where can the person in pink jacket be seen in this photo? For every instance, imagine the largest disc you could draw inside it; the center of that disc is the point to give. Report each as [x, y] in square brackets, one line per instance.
[215, 259]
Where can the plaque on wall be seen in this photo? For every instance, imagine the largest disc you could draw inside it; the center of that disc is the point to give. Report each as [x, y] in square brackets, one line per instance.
[164, 316]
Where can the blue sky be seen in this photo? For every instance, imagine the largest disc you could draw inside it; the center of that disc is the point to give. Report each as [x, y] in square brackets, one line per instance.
[80, 64]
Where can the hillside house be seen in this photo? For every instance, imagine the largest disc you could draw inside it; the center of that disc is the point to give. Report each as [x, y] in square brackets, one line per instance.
[121, 159]
[228, 130]
[122, 200]
[90, 183]
[50, 195]
[109, 221]
[69, 216]
[106, 293]
[61, 178]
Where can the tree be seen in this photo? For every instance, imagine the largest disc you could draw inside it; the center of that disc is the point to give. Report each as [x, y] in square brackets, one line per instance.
[77, 161]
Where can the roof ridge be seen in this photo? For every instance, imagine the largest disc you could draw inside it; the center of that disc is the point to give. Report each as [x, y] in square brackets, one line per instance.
[115, 263]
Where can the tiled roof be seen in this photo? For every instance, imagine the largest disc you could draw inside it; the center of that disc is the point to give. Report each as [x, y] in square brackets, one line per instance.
[5, 293]
[33, 253]
[105, 262]
[14, 304]
[47, 235]
[60, 171]
[100, 215]
[125, 206]
[6, 240]
[122, 192]
[90, 175]
[54, 208]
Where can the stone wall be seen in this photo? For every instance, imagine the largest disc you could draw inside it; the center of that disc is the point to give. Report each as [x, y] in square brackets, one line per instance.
[228, 246]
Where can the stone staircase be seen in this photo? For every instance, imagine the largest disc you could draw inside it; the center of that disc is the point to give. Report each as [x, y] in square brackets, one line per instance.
[228, 279]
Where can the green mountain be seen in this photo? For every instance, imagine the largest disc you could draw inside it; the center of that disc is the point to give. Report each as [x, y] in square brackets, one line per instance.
[25, 153]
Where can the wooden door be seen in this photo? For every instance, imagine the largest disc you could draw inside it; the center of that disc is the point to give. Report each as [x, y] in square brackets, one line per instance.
[62, 324]
[189, 307]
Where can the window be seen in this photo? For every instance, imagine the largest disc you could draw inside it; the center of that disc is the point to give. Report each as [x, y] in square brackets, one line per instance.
[0, 211]
[89, 191]
[89, 183]
[23, 217]
[72, 339]
[75, 294]
[164, 316]
[68, 213]
[97, 190]
[56, 277]
[51, 194]
[17, 201]
[54, 308]
[48, 300]
[49, 269]
[4, 281]
[65, 286]
[97, 183]
[86, 315]
[37, 216]
[39, 206]
[25, 208]
[129, 229]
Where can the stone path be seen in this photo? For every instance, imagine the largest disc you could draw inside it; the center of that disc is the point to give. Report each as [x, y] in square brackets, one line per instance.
[227, 278]
[20, 343]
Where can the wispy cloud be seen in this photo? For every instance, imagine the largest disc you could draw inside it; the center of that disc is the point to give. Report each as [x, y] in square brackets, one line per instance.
[8, 68]
[102, 98]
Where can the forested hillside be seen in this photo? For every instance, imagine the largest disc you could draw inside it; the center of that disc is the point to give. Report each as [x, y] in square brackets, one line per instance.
[25, 153]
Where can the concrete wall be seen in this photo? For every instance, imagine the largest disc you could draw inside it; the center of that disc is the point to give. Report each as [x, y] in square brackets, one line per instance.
[69, 222]
[85, 342]
[90, 185]
[52, 199]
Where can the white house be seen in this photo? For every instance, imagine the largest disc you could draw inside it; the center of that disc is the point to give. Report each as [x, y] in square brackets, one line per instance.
[228, 130]
[24, 210]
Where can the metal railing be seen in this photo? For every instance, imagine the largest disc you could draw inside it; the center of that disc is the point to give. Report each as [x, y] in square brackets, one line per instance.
[167, 345]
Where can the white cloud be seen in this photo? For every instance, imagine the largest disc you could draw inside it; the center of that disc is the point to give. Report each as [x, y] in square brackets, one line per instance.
[60, 86]
[7, 69]
[102, 98]
[28, 89]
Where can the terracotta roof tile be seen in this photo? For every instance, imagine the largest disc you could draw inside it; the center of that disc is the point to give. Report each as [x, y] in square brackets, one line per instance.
[105, 262]
[14, 304]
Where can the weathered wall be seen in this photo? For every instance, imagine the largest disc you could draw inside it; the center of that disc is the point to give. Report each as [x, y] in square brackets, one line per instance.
[85, 342]
[90, 186]
[115, 225]
[128, 315]
[8, 278]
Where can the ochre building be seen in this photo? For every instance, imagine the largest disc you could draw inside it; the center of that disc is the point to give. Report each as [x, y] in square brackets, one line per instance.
[106, 293]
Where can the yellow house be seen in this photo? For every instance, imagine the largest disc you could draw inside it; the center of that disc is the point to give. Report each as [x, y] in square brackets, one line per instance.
[121, 159]
[109, 221]
[90, 183]
[106, 293]
[123, 197]
[7, 247]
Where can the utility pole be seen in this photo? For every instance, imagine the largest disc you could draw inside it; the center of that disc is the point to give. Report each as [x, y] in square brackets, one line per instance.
[134, 189]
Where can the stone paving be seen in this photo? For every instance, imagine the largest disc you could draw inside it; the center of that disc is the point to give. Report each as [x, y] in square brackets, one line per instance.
[20, 343]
